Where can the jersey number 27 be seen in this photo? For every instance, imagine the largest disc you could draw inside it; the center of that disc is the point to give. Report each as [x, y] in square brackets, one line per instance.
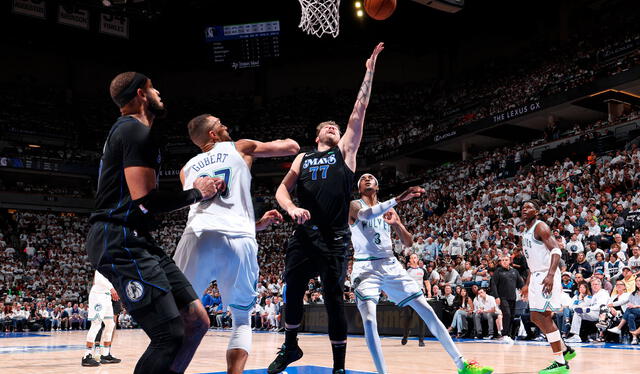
[224, 174]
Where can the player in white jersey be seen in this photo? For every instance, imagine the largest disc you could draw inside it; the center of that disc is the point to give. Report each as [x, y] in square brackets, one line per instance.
[543, 287]
[219, 240]
[100, 310]
[375, 268]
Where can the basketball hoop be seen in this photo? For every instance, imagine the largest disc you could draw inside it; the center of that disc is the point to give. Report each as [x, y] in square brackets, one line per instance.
[320, 17]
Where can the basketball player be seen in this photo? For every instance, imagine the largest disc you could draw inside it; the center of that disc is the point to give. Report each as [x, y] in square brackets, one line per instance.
[219, 241]
[543, 287]
[119, 244]
[319, 244]
[375, 268]
[100, 310]
[419, 275]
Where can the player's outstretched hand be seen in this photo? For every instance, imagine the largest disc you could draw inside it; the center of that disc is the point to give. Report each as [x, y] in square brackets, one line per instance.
[269, 218]
[371, 62]
[299, 215]
[410, 193]
[207, 186]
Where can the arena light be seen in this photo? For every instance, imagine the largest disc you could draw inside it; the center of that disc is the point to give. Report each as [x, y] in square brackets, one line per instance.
[33, 146]
[358, 5]
[360, 13]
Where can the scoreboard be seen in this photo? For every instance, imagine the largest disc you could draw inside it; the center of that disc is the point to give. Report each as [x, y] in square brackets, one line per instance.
[243, 46]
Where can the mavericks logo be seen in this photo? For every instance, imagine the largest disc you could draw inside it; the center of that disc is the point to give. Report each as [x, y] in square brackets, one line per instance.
[135, 290]
[329, 160]
[98, 307]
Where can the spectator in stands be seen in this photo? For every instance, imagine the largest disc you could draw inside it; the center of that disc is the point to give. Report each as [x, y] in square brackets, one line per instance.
[588, 309]
[484, 307]
[464, 309]
[581, 266]
[631, 315]
[629, 279]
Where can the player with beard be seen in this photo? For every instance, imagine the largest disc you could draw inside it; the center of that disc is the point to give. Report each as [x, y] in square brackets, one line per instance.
[543, 287]
[119, 243]
[319, 244]
[376, 269]
[219, 240]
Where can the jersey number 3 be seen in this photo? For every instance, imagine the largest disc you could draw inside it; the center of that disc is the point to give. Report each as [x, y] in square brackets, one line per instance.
[314, 172]
[224, 174]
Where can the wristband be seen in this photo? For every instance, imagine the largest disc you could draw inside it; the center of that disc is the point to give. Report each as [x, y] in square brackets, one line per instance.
[165, 201]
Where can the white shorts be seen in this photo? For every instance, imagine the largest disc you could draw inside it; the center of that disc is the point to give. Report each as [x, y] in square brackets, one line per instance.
[370, 276]
[100, 306]
[541, 302]
[231, 261]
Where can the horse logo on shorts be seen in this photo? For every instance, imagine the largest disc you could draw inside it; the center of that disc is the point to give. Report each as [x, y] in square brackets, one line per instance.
[135, 290]
[98, 307]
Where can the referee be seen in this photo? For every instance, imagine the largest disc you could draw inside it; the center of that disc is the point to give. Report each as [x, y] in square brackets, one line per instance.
[119, 245]
[504, 282]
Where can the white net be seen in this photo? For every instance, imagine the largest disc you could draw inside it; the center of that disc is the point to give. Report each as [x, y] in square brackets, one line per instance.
[320, 17]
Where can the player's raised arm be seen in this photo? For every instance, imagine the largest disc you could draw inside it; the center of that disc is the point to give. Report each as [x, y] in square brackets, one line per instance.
[283, 194]
[275, 148]
[350, 142]
[367, 213]
[544, 234]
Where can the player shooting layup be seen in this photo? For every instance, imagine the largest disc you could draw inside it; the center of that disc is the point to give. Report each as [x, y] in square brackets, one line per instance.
[219, 242]
[318, 246]
[375, 268]
[543, 287]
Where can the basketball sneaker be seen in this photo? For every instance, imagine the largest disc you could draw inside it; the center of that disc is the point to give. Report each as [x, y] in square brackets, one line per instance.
[88, 360]
[108, 359]
[569, 354]
[472, 367]
[555, 368]
[284, 358]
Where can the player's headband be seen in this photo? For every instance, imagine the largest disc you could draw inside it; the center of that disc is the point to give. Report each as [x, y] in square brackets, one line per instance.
[123, 98]
[365, 174]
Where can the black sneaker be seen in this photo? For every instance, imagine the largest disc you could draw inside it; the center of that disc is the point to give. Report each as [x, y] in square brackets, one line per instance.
[404, 340]
[338, 371]
[88, 360]
[421, 344]
[284, 358]
[109, 359]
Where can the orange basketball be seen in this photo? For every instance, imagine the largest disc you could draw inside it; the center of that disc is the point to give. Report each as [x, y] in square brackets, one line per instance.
[380, 9]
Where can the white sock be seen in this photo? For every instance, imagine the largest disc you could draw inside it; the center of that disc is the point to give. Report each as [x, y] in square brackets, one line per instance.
[105, 350]
[88, 352]
[559, 357]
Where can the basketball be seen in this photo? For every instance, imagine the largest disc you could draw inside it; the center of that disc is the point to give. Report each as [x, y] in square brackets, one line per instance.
[380, 9]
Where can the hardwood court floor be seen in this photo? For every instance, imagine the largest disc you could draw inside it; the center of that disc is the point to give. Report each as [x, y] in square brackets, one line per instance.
[60, 352]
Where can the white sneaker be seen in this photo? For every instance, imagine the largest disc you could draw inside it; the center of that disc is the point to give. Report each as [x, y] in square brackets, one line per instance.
[574, 339]
[634, 341]
[615, 330]
[507, 339]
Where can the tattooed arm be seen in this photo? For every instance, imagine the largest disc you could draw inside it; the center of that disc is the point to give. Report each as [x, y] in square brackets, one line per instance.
[350, 142]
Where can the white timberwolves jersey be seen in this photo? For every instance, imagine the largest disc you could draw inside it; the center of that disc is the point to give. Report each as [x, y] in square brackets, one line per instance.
[231, 212]
[371, 239]
[537, 255]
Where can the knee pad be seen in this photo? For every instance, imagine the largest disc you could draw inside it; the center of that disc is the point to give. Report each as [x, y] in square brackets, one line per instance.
[240, 330]
[107, 334]
[96, 324]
